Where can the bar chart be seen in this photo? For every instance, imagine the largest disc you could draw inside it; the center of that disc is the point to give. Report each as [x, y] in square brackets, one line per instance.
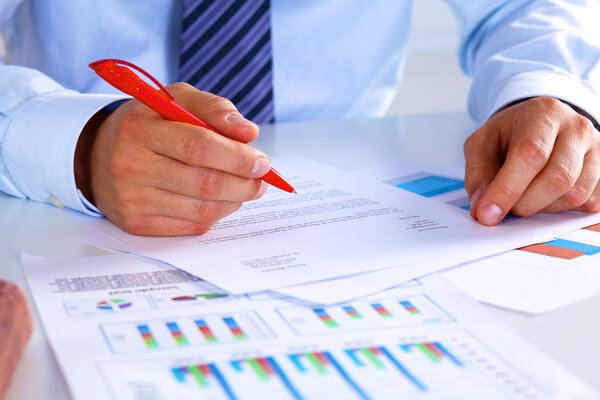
[385, 313]
[452, 365]
[184, 332]
[107, 306]
[579, 247]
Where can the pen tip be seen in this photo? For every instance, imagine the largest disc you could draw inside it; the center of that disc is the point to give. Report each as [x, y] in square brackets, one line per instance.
[294, 192]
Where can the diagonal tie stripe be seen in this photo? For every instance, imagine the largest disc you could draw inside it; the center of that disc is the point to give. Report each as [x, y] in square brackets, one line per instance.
[226, 50]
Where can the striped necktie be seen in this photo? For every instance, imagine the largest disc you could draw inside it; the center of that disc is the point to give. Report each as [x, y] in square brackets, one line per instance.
[226, 50]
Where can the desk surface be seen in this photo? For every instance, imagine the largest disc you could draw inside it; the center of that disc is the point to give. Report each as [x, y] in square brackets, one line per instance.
[569, 335]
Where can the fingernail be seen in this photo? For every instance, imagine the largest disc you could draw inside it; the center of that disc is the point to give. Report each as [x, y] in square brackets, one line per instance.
[475, 197]
[491, 214]
[235, 118]
[263, 189]
[261, 167]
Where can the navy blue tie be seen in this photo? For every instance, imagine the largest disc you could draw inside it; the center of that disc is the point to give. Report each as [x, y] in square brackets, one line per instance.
[226, 50]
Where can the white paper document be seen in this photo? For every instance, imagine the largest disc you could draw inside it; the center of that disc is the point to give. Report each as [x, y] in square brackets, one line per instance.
[337, 225]
[520, 280]
[126, 328]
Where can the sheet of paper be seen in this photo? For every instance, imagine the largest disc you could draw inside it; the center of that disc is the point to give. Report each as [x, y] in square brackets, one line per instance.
[505, 280]
[337, 225]
[536, 279]
[127, 328]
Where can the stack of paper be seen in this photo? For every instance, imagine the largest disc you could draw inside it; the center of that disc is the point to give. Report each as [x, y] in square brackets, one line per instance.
[314, 296]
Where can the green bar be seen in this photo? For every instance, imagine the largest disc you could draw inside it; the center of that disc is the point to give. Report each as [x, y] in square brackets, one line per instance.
[198, 376]
[331, 323]
[355, 316]
[316, 363]
[210, 295]
[181, 341]
[369, 354]
[262, 375]
[428, 352]
[151, 343]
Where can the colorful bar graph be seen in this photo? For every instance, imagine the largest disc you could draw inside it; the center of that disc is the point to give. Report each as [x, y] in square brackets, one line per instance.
[593, 228]
[266, 368]
[203, 374]
[325, 318]
[434, 351]
[352, 313]
[562, 248]
[205, 331]
[432, 185]
[235, 329]
[408, 306]
[147, 336]
[177, 334]
[381, 310]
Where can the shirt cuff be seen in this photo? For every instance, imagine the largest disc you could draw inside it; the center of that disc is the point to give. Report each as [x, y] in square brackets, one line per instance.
[536, 84]
[39, 147]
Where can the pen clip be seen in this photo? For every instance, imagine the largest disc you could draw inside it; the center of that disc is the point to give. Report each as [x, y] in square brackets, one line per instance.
[115, 61]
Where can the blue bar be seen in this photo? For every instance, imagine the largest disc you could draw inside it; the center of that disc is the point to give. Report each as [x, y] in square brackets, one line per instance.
[296, 360]
[448, 354]
[200, 323]
[236, 365]
[319, 311]
[432, 185]
[356, 360]
[284, 378]
[398, 365]
[345, 375]
[221, 379]
[405, 347]
[230, 322]
[179, 373]
[173, 327]
[587, 249]
[143, 328]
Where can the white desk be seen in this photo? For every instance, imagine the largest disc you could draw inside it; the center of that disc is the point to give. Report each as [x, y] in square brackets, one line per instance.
[570, 335]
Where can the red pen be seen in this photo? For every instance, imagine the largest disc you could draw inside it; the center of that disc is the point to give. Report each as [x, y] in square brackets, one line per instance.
[161, 101]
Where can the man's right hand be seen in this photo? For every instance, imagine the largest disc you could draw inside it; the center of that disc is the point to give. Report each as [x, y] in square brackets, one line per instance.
[156, 177]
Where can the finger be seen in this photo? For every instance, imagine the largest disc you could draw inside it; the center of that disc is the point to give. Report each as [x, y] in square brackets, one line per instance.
[216, 111]
[558, 177]
[592, 205]
[201, 183]
[176, 206]
[525, 159]
[200, 147]
[157, 225]
[482, 162]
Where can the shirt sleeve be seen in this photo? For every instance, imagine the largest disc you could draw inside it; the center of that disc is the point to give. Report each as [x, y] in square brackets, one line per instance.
[514, 49]
[40, 122]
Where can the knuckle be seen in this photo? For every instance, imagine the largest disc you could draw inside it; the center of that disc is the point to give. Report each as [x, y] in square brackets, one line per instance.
[562, 178]
[209, 184]
[550, 104]
[216, 103]
[207, 210]
[576, 196]
[533, 152]
[592, 205]
[180, 87]
[192, 148]
[583, 124]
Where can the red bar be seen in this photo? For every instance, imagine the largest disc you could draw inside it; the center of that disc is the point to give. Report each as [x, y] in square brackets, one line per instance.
[595, 228]
[204, 369]
[552, 251]
[322, 359]
[375, 350]
[265, 366]
[433, 348]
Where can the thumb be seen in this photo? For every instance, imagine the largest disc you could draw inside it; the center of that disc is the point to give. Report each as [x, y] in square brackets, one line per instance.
[218, 112]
